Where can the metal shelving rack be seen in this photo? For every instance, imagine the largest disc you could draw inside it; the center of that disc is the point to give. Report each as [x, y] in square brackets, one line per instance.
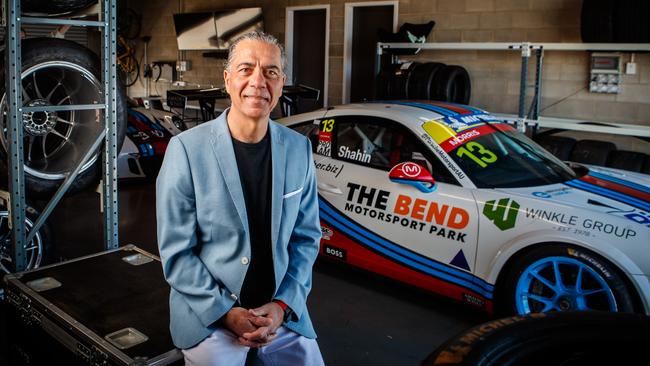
[526, 49]
[13, 71]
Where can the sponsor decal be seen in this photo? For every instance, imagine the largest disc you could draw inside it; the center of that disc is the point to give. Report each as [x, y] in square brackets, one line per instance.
[358, 155]
[417, 214]
[411, 170]
[473, 300]
[379, 253]
[444, 157]
[324, 148]
[331, 167]
[466, 136]
[455, 352]
[504, 215]
[638, 216]
[325, 137]
[335, 252]
[553, 192]
[326, 233]
[578, 254]
[480, 331]
[578, 225]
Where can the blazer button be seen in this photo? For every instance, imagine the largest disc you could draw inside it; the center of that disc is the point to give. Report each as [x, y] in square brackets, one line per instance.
[244, 260]
[233, 296]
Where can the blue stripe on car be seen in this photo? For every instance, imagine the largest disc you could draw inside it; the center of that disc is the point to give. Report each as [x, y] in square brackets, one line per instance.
[402, 255]
[622, 182]
[620, 197]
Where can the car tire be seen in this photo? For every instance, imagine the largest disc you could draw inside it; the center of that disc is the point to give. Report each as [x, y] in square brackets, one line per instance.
[597, 21]
[38, 251]
[452, 84]
[631, 21]
[54, 7]
[626, 160]
[576, 338]
[559, 146]
[68, 73]
[384, 84]
[399, 80]
[530, 284]
[592, 152]
[418, 84]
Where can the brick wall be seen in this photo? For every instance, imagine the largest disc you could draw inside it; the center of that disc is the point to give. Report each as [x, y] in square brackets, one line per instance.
[494, 74]
[157, 21]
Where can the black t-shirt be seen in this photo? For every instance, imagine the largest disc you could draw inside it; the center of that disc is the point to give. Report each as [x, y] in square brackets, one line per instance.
[254, 164]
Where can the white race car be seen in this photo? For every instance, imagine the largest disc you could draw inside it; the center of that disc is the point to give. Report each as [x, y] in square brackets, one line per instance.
[453, 200]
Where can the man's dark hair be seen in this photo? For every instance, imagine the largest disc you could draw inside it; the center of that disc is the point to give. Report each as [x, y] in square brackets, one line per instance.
[256, 36]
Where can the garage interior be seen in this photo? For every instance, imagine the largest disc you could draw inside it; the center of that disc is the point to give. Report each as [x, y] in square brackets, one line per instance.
[573, 75]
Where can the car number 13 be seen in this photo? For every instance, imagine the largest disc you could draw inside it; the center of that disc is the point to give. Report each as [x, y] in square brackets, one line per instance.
[479, 154]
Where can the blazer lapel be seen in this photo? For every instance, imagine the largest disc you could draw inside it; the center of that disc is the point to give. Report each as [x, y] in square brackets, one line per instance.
[223, 150]
[278, 158]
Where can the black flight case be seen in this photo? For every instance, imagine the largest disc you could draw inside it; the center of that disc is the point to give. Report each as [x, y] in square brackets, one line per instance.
[109, 308]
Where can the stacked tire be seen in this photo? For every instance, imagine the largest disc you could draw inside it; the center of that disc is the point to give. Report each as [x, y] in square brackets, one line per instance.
[615, 21]
[425, 81]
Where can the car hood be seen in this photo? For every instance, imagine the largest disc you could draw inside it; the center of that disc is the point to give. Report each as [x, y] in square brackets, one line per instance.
[615, 192]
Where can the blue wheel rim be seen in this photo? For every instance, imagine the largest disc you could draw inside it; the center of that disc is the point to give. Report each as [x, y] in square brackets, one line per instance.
[562, 284]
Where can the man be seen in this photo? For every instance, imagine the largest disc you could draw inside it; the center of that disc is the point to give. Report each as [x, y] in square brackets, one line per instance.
[238, 226]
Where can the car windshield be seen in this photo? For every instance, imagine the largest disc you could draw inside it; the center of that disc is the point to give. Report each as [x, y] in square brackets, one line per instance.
[505, 158]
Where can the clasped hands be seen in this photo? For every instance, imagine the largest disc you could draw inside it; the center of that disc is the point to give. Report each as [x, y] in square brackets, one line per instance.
[255, 327]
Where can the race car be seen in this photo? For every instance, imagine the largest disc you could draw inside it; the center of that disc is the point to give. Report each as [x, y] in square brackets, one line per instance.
[148, 132]
[453, 200]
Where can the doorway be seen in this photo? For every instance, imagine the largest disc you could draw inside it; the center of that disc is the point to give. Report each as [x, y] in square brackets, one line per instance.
[362, 22]
[307, 48]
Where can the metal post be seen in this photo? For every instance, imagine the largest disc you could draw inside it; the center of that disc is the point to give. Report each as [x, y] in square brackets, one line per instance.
[110, 118]
[539, 55]
[147, 84]
[14, 115]
[378, 65]
[525, 55]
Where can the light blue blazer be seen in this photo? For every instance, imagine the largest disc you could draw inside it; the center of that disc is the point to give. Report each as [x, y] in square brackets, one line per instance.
[203, 227]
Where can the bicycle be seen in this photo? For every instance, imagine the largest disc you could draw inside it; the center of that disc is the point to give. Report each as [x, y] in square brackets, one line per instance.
[127, 64]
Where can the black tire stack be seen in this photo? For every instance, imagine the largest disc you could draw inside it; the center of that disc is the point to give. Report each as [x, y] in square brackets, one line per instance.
[615, 21]
[425, 81]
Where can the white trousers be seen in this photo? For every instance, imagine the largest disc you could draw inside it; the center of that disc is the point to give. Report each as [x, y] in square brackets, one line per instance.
[222, 348]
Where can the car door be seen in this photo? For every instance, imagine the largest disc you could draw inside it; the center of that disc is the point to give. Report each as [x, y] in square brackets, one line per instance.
[392, 228]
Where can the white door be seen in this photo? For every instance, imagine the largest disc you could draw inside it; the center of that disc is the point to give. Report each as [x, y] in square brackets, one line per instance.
[364, 212]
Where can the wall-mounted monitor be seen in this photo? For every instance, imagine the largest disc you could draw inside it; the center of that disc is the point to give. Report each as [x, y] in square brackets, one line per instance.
[215, 30]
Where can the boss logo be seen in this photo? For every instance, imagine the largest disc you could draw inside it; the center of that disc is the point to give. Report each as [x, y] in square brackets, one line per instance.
[473, 300]
[335, 252]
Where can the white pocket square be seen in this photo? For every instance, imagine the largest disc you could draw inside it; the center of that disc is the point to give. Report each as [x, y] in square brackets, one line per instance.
[292, 193]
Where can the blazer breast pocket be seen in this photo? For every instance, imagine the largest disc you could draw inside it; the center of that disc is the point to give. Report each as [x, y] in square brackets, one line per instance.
[292, 193]
[291, 203]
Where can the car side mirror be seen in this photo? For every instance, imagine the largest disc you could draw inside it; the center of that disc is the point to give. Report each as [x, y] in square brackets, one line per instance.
[414, 175]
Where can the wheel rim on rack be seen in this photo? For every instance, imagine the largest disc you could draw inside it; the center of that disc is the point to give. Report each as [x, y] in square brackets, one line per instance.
[33, 249]
[55, 142]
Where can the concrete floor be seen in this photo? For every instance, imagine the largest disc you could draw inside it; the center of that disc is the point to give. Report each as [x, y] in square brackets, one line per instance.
[361, 319]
